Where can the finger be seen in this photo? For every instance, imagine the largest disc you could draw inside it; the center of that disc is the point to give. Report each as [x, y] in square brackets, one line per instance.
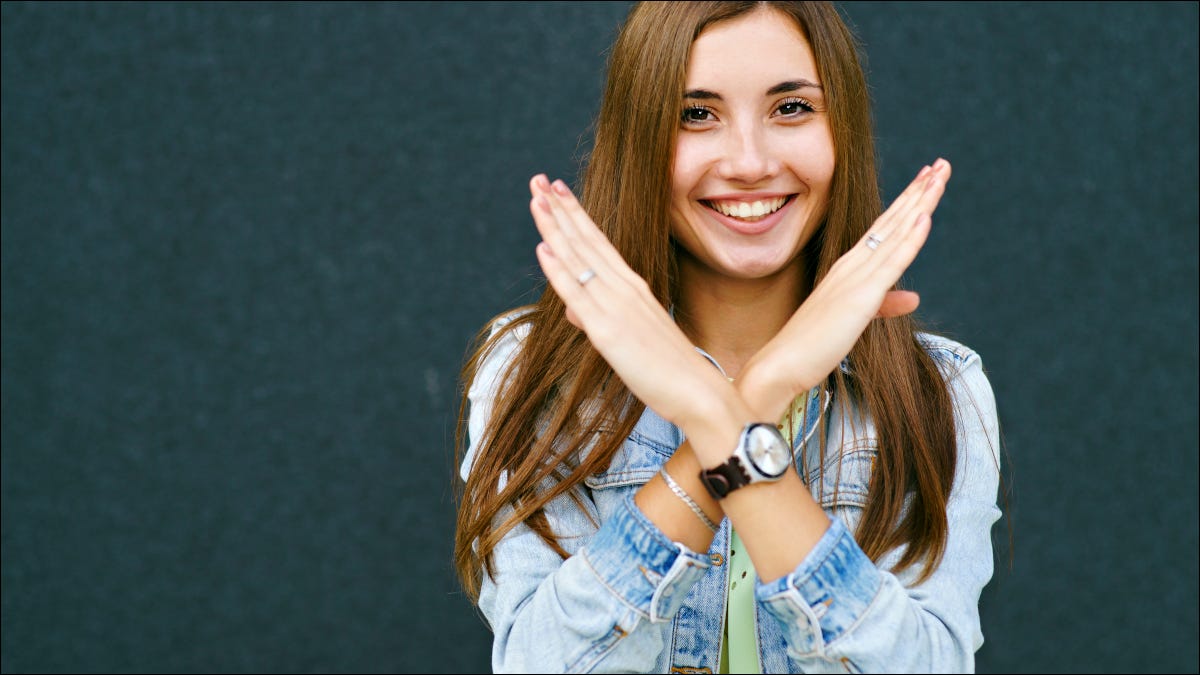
[892, 239]
[566, 285]
[904, 212]
[590, 244]
[539, 207]
[912, 191]
[933, 193]
[589, 266]
[589, 232]
[893, 262]
[903, 201]
[552, 233]
[614, 281]
[921, 196]
[898, 303]
[573, 224]
[573, 318]
[927, 201]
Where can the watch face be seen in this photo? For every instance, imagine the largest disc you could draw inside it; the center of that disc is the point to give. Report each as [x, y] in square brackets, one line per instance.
[768, 451]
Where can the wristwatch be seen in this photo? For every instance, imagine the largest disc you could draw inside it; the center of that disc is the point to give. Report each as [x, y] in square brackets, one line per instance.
[762, 455]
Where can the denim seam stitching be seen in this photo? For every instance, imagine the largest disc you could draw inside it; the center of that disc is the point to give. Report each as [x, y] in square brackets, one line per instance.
[858, 620]
[603, 582]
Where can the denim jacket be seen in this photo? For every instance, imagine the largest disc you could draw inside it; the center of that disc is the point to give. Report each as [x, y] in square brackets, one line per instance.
[628, 599]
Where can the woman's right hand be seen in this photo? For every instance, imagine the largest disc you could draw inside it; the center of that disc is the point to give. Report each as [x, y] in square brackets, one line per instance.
[857, 289]
[614, 307]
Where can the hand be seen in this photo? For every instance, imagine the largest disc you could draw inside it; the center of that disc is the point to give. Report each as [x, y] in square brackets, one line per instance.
[621, 317]
[856, 289]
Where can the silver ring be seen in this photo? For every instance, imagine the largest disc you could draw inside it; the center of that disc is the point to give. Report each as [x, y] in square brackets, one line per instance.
[586, 276]
[873, 241]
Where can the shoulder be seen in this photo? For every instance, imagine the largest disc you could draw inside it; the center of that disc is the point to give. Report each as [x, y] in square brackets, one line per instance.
[499, 350]
[505, 334]
[966, 379]
[953, 358]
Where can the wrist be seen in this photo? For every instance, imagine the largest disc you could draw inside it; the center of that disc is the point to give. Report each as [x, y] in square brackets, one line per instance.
[762, 455]
[766, 396]
[714, 430]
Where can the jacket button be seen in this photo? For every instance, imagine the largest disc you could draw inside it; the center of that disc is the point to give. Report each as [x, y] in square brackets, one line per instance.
[716, 559]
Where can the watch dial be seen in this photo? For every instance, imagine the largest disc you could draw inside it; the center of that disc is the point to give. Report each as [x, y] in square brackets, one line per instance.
[768, 450]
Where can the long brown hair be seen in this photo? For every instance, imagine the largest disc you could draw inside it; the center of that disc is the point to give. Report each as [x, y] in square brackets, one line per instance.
[538, 444]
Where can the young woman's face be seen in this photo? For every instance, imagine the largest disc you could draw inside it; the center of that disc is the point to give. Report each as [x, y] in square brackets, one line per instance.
[754, 159]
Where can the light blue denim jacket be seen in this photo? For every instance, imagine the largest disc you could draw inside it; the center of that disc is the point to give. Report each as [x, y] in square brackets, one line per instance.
[629, 599]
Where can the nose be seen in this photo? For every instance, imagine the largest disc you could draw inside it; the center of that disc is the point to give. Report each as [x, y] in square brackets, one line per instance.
[747, 156]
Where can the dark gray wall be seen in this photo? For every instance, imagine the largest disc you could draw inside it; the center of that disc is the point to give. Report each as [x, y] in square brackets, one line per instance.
[245, 248]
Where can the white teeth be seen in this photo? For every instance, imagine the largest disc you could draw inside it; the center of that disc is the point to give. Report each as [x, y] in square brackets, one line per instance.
[756, 209]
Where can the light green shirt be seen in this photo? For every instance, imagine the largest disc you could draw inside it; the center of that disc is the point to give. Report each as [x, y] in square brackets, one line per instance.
[739, 649]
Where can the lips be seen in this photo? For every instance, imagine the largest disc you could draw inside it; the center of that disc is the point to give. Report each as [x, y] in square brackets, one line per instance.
[747, 210]
[759, 216]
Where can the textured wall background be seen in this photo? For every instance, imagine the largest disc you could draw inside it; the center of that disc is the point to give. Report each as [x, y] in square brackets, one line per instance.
[245, 247]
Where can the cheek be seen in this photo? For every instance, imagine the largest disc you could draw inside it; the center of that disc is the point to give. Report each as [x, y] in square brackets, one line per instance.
[688, 167]
[821, 158]
[811, 157]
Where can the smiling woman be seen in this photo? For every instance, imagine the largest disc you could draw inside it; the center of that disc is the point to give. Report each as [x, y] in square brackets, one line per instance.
[753, 120]
[718, 442]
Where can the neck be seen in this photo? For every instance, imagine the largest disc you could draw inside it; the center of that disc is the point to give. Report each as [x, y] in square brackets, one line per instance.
[730, 318]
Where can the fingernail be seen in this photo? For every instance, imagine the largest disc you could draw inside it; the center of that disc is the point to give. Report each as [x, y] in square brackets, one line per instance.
[561, 188]
[544, 249]
[542, 182]
[543, 204]
[940, 163]
[924, 171]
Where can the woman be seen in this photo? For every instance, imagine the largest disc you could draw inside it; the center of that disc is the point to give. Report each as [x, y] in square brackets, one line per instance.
[717, 442]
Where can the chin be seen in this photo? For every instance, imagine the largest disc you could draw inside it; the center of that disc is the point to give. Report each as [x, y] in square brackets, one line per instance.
[755, 267]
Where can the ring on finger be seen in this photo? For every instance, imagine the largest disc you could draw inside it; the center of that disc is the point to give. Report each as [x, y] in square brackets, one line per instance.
[873, 240]
[586, 276]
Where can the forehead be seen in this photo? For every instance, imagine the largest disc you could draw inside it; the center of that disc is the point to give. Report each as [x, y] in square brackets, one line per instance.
[762, 46]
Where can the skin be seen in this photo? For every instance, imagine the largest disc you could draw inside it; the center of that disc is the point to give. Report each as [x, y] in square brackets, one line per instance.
[739, 291]
[739, 141]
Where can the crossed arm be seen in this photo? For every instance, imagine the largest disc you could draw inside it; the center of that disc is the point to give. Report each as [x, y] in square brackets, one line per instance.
[645, 347]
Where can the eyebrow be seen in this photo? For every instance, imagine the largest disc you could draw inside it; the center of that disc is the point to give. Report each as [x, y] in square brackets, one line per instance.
[781, 88]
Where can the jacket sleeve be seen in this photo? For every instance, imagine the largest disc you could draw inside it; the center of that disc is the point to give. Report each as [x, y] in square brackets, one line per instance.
[840, 611]
[606, 608]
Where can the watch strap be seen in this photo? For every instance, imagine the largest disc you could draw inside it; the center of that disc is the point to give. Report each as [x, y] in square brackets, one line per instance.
[723, 479]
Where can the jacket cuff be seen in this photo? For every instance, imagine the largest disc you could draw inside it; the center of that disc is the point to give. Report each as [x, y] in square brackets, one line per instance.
[827, 593]
[641, 566]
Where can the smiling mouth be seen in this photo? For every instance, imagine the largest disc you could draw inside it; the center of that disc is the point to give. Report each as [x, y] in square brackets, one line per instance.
[748, 212]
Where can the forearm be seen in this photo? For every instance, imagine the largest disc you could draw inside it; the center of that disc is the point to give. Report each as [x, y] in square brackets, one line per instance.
[840, 607]
[606, 607]
[778, 522]
[670, 513]
[569, 623]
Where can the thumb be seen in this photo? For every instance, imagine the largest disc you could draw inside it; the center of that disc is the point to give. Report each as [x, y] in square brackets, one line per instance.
[573, 318]
[898, 303]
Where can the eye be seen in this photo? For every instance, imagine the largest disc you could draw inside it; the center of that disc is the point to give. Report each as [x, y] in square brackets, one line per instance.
[794, 107]
[696, 114]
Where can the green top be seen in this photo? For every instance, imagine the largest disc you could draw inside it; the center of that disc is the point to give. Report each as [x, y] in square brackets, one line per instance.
[739, 649]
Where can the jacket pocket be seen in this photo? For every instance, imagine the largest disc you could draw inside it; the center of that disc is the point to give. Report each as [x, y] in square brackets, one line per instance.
[635, 463]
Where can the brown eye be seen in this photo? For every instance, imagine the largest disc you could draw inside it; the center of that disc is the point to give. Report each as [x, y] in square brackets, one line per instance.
[695, 114]
[795, 106]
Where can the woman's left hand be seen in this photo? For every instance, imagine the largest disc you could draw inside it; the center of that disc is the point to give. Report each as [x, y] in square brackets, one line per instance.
[857, 288]
[621, 317]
